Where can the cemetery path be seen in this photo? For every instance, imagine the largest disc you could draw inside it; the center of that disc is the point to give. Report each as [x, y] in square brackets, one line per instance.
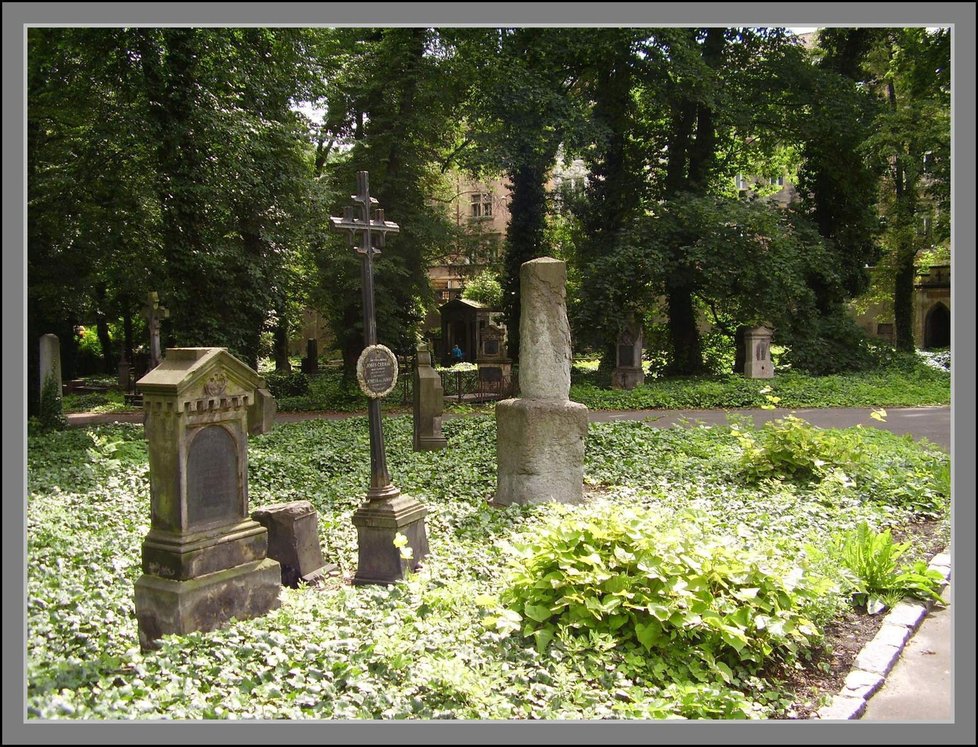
[918, 687]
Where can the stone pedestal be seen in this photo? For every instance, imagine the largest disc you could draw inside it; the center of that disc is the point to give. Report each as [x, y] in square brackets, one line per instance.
[540, 451]
[204, 559]
[293, 540]
[429, 401]
[757, 343]
[378, 522]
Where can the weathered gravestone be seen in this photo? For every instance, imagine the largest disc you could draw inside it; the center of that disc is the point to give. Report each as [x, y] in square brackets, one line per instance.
[540, 436]
[386, 515]
[628, 372]
[757, 345]
[50, 362]
[293, 541]
[204, 558]
[429, 400]
[310, 364]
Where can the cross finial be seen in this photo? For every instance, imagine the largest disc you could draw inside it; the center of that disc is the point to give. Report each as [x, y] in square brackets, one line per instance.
[357, 219]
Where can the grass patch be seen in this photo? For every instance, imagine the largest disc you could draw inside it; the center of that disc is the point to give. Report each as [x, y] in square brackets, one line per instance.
[432, 647]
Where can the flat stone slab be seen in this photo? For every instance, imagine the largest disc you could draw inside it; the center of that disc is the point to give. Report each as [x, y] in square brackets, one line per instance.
[877, 657]
[861, 684]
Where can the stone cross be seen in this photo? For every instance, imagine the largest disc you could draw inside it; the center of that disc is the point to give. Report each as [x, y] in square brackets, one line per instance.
[154, 314]
[386, 513]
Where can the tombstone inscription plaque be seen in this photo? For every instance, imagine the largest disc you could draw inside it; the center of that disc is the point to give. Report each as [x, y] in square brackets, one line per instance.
[377, 371]
[212, 477]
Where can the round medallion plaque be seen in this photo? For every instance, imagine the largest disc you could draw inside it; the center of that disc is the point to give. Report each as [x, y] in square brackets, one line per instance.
[377, 371]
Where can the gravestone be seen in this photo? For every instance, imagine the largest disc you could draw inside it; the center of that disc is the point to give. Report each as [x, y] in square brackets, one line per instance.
[50, 361]
[628, 372]
[293, 541]
[495, 369]
[310, 364]
[386, 516]
[429, 400]
[204, 558]
[540, 436]
[757, 344]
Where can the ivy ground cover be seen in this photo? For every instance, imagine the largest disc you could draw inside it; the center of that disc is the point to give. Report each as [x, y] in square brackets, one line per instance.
[683, 587]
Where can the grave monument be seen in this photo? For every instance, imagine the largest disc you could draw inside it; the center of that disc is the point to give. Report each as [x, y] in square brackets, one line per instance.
[204, 559]
[757, 345]
[540, 436]
[386, 513]
[429, 400]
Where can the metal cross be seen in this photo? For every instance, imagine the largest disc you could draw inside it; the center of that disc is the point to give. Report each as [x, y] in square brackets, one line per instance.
[370, 229]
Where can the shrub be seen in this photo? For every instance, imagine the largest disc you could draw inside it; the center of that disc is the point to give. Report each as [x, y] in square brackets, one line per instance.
[287, 383]
[875, 578]
[51, 414]
[669, 589]
[828, 345]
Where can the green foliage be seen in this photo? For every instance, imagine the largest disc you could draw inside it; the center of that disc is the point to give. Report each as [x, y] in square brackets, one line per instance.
[418, 649]
[51, 415]
[485, 289]
[688, 600]
[287, 384]
[876, 579]
[902, 384]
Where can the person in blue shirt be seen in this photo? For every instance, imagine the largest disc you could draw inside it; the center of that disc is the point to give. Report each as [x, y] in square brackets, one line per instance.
[457, 354]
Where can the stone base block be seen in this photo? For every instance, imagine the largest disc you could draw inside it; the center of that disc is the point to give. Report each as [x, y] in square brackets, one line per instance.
[540, 451]
[293, 539]
[627, 378]
[430, 443]
[185, 556]
[377, 523]
[166, 606]
[758, 370]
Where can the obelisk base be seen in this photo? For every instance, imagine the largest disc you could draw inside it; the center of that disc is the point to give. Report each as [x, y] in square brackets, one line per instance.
[540, 451]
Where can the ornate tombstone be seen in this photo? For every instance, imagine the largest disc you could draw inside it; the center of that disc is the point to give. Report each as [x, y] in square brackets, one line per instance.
[204, 558]
[757, 344]
[628, 372]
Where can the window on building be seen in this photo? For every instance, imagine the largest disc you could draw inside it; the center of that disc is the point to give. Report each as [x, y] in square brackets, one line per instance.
[480, 205]
[741, 182]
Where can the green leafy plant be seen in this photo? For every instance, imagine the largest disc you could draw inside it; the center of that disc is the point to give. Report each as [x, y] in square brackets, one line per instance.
[876, 578]
[676, 593]
[51, 414]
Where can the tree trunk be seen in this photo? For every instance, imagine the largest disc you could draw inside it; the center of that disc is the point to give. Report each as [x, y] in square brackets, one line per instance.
[684, 337]
[524, 241]
[281, 343]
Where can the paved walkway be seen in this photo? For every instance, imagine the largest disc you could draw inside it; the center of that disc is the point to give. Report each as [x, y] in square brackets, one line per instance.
[918, 687]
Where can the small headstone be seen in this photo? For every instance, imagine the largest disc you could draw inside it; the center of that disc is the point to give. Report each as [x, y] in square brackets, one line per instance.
[125, 374]
[757, 343]
[293, 540]
[204, 558]
[429, 401]
[310, 364]
[540, 436]
[50, 361]
[629, 372]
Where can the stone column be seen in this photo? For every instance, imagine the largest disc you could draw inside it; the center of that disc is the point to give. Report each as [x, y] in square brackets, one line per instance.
[429, 400]
[757, 344]
[50, 361]
[540, 436]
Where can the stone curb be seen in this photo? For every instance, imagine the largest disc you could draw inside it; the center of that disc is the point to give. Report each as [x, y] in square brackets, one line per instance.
[879, 656]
